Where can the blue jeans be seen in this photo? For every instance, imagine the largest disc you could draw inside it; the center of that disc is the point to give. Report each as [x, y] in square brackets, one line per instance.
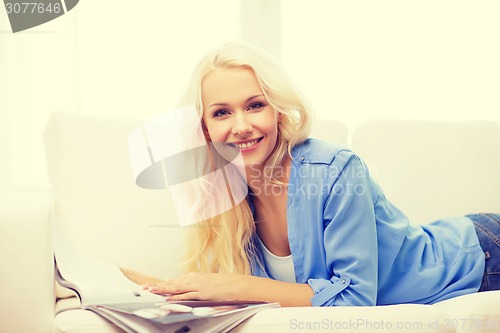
[488, 232]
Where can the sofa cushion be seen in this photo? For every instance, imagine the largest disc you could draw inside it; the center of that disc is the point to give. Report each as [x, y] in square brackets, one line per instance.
[432, 170]
[82, 321]
[479, 312]
[345, 319]
[97, 202]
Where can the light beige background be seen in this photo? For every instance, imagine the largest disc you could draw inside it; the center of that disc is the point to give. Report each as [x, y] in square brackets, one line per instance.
[355, 60]
[426, 59]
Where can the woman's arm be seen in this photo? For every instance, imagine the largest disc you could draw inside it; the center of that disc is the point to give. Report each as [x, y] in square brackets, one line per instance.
[342, 269]
[237, 287]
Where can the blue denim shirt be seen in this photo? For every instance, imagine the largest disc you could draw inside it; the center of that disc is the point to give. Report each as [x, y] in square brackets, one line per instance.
[353, 247]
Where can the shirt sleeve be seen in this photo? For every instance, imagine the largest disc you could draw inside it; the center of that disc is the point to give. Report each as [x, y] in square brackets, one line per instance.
[350, 240]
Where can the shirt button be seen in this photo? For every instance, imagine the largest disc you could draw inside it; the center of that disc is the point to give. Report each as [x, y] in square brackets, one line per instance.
[343, 281]
[302, 158]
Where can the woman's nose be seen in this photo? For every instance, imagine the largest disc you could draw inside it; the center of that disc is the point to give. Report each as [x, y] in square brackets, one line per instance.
[241, 125]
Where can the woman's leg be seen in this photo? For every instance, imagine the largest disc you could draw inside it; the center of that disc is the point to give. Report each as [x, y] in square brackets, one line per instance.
[488, 232]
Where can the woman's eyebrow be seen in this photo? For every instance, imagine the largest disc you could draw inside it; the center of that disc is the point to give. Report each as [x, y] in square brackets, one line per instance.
[246, 101]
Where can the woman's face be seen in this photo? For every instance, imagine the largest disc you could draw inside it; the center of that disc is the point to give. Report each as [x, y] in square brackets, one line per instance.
[237, 114]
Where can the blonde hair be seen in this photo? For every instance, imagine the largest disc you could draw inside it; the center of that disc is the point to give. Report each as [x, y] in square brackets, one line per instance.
[224, 243]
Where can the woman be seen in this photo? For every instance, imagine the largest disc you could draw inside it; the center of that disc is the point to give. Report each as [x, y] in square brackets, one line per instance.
[315, 229]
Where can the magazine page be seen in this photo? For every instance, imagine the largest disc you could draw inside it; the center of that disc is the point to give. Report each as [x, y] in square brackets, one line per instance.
[94, 281]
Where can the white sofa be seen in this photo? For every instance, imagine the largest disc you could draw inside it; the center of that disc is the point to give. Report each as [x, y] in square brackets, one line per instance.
[429, 169]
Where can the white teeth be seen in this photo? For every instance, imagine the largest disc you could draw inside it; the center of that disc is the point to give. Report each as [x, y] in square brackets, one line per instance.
[246, 144]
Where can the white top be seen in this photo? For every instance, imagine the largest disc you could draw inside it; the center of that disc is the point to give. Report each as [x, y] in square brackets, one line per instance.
[278, 268]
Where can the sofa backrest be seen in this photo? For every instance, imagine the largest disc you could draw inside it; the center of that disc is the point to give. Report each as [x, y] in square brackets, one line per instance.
[329, 130]
[432, 170]
[97, 203]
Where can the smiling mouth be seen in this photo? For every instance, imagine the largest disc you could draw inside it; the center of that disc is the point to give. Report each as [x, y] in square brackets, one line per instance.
[247, 144]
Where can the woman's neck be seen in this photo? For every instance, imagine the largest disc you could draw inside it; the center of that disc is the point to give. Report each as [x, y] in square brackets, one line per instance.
[259, 181]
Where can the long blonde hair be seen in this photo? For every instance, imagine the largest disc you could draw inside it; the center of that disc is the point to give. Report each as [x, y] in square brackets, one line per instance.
[224, 243]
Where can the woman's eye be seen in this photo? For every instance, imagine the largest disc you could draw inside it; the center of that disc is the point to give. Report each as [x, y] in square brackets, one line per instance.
[220, 113]
[257, 105]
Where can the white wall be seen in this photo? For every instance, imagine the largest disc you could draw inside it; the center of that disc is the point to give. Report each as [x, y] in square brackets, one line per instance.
[135, 59]
[359, 60]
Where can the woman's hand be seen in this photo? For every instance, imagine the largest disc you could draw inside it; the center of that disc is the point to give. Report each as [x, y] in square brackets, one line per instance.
[200, 286]
[232, 287]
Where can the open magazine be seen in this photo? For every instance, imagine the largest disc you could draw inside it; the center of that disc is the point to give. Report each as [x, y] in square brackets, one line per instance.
[105, 290]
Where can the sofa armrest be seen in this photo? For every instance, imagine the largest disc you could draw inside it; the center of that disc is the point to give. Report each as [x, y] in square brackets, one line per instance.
[26, 261]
